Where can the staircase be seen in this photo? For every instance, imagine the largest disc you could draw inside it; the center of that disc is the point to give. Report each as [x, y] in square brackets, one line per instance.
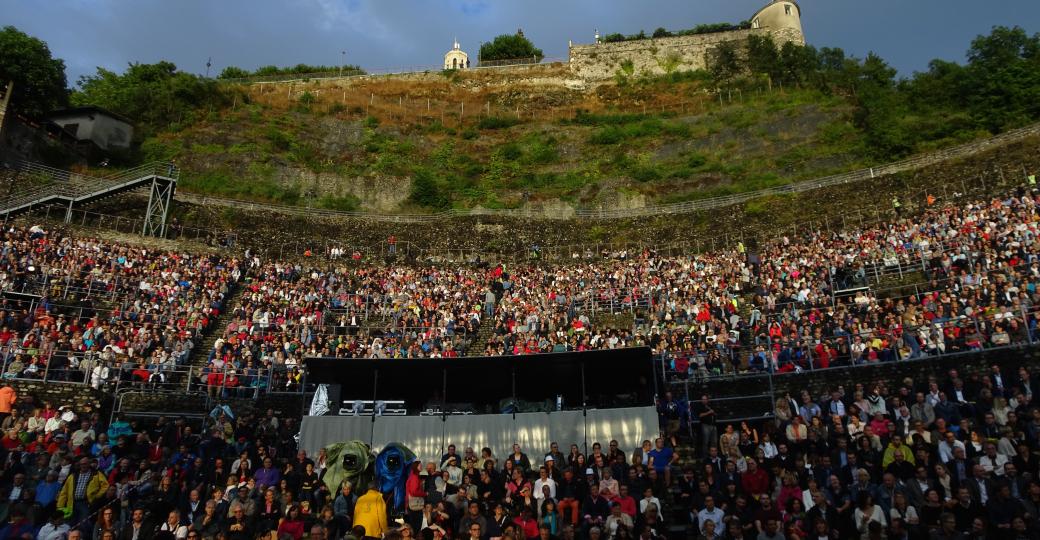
[58, 187]
[480, 340]
[180, 395]
[200, 354]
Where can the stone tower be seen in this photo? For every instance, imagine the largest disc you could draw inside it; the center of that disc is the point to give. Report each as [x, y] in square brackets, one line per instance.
[783, 17]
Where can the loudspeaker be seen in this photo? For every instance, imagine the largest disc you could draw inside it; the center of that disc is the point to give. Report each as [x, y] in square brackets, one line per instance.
[335, 401]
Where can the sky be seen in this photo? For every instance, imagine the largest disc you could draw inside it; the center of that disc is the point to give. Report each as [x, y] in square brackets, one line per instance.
[394, 35]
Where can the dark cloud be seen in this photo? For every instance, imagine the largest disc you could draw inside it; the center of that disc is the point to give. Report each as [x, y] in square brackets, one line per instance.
[383, 35]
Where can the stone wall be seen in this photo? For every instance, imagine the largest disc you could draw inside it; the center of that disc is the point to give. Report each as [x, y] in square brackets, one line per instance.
[602, 61]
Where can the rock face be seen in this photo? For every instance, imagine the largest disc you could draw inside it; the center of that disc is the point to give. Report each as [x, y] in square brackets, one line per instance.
[376, 193]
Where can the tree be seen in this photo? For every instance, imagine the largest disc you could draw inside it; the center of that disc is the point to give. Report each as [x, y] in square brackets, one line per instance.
[153, 95]
[426, 191]
[39, 79]
[725, 61]
[1003, 78]
[509, 47]
[798, 63]
[662, 33]
[233, 72]
[763, 56]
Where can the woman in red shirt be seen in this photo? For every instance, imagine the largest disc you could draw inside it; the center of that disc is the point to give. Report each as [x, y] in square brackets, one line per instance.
[292, 524]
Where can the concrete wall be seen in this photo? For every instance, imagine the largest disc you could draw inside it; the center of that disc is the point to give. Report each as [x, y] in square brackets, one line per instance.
[111, 133]
[601, 61]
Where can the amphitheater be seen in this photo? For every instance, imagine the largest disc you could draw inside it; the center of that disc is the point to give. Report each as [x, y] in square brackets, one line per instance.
[125, 328]
[863, 367]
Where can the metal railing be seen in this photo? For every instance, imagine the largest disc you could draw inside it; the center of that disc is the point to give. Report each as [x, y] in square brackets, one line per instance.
[74, 185]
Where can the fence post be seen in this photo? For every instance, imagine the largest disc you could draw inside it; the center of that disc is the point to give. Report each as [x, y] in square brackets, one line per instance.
[223, 382]
[1025, 321]
[8, 354]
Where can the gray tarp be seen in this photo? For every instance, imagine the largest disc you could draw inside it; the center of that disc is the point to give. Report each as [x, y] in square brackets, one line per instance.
[429, 436]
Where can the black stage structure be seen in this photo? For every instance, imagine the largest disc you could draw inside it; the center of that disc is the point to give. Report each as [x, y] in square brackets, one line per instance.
[597, 379]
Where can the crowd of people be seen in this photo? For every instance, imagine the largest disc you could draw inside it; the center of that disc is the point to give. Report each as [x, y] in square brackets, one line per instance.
[94, 310]
[790, 305]
[949, 456]
[67, 474]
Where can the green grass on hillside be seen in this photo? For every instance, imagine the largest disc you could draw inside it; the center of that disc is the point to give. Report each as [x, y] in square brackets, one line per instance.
[258, 153]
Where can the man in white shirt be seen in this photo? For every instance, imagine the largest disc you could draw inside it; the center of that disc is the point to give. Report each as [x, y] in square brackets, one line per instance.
[83, 433]
[544, 480]
[648, 500]
[993, 462]
[933, 394]
[711, 513]
[67, 415]
[947, 446]
[55, 529]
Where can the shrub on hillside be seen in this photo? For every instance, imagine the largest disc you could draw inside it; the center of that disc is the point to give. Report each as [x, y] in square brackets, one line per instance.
[497, 122]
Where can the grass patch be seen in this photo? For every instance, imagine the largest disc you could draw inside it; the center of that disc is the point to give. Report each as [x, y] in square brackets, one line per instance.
[497, 122]
[348, 203]
[650, 127]
[226, 184]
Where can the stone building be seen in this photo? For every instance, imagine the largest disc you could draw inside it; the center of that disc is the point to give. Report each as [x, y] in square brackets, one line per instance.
[456, 58]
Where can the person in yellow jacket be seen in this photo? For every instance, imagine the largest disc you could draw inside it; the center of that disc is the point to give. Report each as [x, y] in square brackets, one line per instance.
[897, 446]
[80, 490]
[370, 512]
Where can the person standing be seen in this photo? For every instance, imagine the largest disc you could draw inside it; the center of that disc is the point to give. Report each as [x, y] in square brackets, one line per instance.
[706, 416]
[80, 491]
[670, 417]
[370, 512]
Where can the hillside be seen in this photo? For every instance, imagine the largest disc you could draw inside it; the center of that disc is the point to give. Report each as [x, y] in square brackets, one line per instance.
[371, 144]
[542, 137]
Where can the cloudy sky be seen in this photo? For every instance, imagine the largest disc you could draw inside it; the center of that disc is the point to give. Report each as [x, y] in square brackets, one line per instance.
[383, 35]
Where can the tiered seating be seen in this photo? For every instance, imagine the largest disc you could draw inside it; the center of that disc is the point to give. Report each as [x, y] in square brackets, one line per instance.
[772, 308]
[139, 309]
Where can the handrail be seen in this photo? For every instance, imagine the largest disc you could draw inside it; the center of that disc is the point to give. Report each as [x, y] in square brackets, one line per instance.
[76, 186]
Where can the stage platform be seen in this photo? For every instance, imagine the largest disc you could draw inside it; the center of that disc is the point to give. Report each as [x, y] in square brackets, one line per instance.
[429, 436]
